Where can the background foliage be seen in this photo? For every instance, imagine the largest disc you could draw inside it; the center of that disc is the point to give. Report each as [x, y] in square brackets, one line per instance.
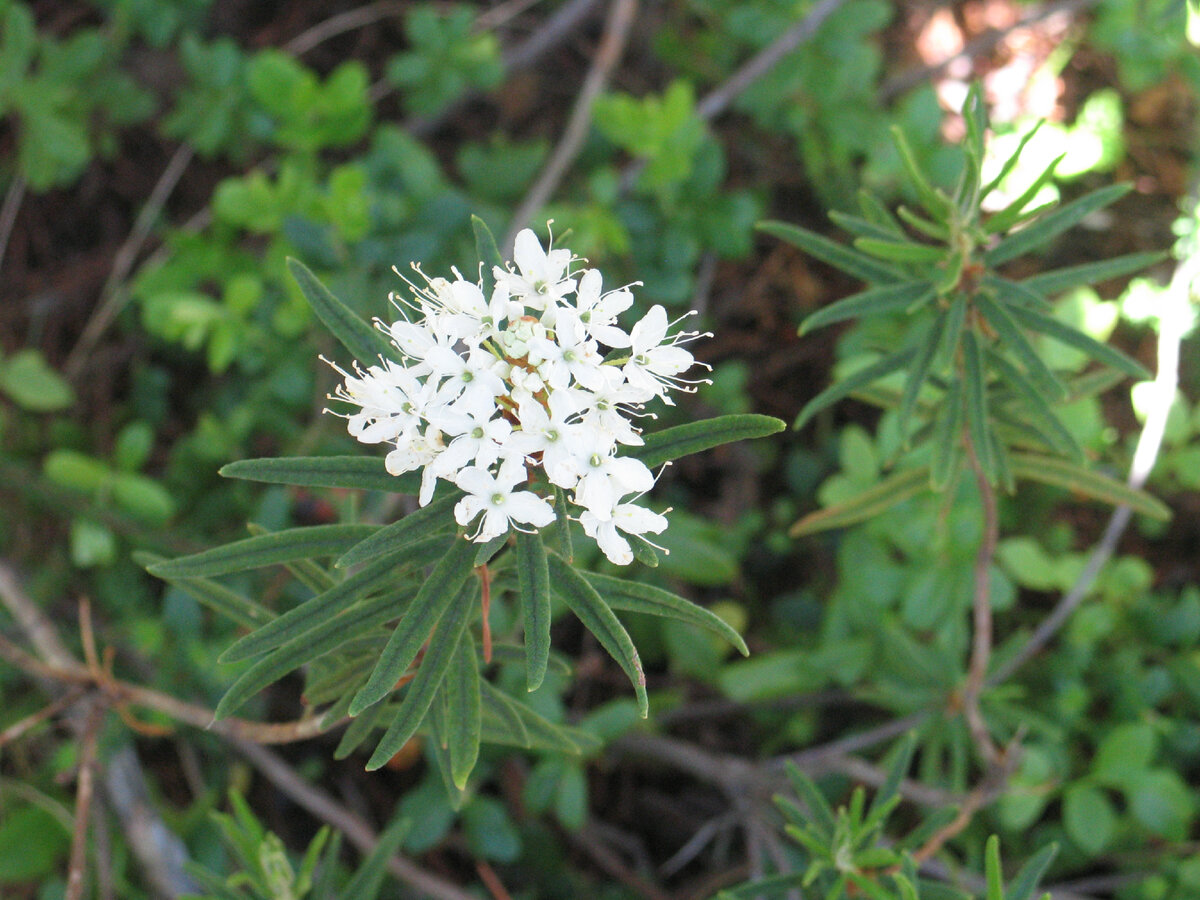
[161, 160]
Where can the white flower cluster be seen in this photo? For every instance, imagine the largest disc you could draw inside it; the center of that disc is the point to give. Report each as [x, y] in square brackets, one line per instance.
[493, 388]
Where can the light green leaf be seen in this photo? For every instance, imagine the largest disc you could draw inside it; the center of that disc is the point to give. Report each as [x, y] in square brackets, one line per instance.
[868, 504]
[848, 260]
[1052, 224]
[1089, 818]
[902, 251]
[1059, 280]
[31, 384]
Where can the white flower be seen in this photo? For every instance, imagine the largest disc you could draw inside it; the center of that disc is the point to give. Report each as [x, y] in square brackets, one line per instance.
[551, 433]
[605, 478]
[570, 355]
[598, 312]
[627, 517]
[541, 280]
[500, 504]
[654, 360]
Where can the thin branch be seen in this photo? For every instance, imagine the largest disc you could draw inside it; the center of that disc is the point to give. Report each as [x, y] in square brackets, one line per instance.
[612, 43]
[84, 792]
[343, 22]
[588, 840]
[17, 729]
[818, 760]
[981, 611]
[329, 810]
[765, 60]
[8, 212]
[985, 43]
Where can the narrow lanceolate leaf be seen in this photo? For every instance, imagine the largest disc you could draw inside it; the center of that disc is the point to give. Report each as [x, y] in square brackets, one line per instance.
[1063, 474]
[865, 228]
[852, 383]
[841, 257]
[432, 519]
[936, 203]
[1011, 162]
[215, 596]
[487, 252]
[601, 621]
[423, 615]
[311, 613]
[533, 577]
[365, 342]
[330, 634]
[1026, 880]
[1059, 280]
[1053, 224]
[439, 653]
[918, 374]
[901, 760]
[992, 872]
[873, 302]
[1013, 213]
[1016, 293]
[369, 877]
[562, 525]
[871, 502]
[463, 711]
[947, 351]
[1031, 403]
[542, 734]
[975, 385]
[1014, 339]
[501, 720]
[1073, 337]
[632, 596]
[265, 550]
[947, 439]
[364, 473]
[360, 729]
[901, 251]
[682, 440]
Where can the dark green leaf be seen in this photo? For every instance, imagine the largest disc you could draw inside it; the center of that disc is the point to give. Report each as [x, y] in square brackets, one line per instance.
[451, 622]
[215, 596]
[850, 261]
[864, 227]
[265, 550]
[868, 504]
[1063, 474]
[369, 877]
[1052, 224]
[365, 342]
[432, 519]
[600, 620]
[975, 386]
[1015, 293]
[424, 613]
[1043, 379]
[360, 729]
[1059, 280]
[533, 576]
[853, 382]
[872, 302]
[311, 613]
[1073, 337]
[364, 473]
[633, 596]
[947, 439]
[562, 524]
[918, 374]
[1026, 881]
[463, 711]
[682, 440]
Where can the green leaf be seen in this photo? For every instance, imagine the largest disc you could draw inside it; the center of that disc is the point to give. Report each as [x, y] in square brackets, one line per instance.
[562, 524]
[1016, 293]
[868, 504]
[947, 439]
[1032, 405]
[902, 251]
[1046, 382]
[1125, 751]
[936, 203]
[448, 629]
[265, 550]
[1073, 337]
[683, 440]
[872, 302]
[360, 729]
[1059, 280]
[216, 597]
[488, 253]
[1026, 881]
[916, 378]
[311, 613]
[898, 768]
[1052, 224]
[364, 473]
[633, 596]
[533, 577]
[369, 877]
[423, 615]
[850, 261]
[1011, 162]
[324, 637]
[429, 520]
[1012, 214]
[978, 424]
[848, 385]
[864, 227]
[365, 343]
[463, 711]
[33, 844]
[1089, 818]
[1059, 473]
[993, 873]
[599, 619]
[31, 384]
